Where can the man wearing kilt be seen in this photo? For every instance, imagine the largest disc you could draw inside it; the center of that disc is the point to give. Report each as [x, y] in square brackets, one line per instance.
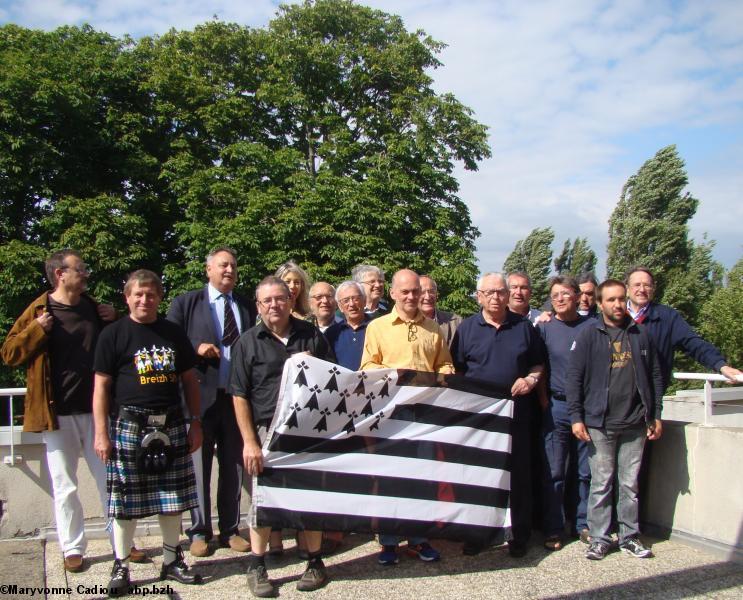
[139, 363]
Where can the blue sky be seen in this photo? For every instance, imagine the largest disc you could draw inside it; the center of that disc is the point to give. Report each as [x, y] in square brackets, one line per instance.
[577, 96]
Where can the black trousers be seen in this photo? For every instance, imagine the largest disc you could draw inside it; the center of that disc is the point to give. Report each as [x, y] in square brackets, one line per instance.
[220, 430]
[522, 468]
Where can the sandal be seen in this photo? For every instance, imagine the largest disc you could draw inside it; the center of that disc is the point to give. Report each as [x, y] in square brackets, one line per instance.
[553, 542]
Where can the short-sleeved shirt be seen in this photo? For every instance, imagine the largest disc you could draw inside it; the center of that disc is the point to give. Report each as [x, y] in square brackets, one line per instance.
[347, 343]
[498, 355]
[393, 342]
[72, 340]
[258, 360]
[558, 337]
[145, 361]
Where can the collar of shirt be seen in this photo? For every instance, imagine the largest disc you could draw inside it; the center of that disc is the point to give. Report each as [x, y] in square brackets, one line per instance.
[633, 313]
[264, 331]
[346, 325]
[396, 317]
[215, 294]
[511, 317]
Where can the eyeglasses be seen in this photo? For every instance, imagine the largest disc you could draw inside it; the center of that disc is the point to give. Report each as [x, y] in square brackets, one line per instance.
[642, 285]
[349, 299]
[412, 332]
[558, 295]
[266, 302]
[83, 269]
[430, 292]
[318, 297]
[373, 281]
[489, 293]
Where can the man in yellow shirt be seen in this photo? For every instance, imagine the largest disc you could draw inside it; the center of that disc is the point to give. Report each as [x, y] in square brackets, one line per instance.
[406, 339]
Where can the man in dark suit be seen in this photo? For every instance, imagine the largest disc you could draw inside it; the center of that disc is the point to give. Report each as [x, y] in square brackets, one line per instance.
[213, 318]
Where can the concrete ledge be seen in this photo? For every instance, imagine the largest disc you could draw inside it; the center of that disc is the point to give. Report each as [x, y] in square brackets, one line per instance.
[718, 549]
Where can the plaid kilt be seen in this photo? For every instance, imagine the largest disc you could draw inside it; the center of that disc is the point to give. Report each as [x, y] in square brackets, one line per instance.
[131, 494]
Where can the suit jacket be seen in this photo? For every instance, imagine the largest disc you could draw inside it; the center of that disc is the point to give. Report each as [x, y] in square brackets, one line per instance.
[191, 311]
[448, 323]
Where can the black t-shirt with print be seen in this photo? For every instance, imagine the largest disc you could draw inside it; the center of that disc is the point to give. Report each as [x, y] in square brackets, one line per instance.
[144, 360]
[625, 407]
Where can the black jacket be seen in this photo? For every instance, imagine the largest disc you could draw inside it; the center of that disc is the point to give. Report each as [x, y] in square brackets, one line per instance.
[587, 381]
[191, 311]
[670, 332]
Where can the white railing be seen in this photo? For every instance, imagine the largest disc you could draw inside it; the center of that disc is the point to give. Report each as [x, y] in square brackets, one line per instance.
[708, 378]
[12, 459]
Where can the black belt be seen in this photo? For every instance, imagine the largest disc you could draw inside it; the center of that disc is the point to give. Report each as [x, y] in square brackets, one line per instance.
[560, 397]
[141, 415]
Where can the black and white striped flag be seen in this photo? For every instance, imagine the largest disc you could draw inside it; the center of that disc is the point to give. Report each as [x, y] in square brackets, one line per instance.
[386, 451]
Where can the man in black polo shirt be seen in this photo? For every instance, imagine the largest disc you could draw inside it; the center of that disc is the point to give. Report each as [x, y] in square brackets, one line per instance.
[503, 348]
[257, 365]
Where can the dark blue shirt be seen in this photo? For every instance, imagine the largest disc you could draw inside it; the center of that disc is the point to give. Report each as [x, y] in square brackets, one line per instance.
[500, 355]
[347, 344]
[558, 337]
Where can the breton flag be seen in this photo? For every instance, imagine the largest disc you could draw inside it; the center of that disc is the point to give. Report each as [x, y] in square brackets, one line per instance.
[386, 451]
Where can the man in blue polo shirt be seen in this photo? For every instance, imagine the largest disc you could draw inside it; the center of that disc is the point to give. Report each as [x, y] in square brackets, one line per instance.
[503, 348]
[560, 447]
[347, 337]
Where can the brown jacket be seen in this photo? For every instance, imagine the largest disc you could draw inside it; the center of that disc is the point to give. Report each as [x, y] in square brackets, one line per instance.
[27, 343]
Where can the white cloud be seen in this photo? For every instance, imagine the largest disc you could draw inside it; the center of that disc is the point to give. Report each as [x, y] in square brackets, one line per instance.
[566, 87]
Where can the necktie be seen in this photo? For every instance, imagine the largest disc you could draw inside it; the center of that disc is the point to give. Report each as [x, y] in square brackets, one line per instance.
[230, 324]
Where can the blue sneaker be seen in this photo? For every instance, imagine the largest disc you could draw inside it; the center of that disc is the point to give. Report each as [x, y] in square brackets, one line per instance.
[424, 551]
[388, 556]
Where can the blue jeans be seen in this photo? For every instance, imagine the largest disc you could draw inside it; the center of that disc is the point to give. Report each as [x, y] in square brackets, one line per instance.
[613, 453]
[561, 448]
[387, 539]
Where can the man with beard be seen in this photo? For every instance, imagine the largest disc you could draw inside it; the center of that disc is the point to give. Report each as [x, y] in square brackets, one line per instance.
[615, 397]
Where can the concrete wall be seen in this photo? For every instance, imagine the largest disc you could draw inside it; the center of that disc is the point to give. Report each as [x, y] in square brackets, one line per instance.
[696, 484]
[26, 498]
[695, 488]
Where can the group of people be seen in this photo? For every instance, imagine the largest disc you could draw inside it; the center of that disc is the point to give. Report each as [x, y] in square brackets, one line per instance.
[592, 370]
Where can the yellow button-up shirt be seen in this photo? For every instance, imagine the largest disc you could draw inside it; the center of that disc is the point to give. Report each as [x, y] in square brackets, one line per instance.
[393, 342]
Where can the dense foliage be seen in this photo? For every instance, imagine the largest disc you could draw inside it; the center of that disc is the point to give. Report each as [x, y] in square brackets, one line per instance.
[318, 138]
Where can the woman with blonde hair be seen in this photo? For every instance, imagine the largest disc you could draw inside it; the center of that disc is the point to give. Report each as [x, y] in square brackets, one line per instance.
[299, 285]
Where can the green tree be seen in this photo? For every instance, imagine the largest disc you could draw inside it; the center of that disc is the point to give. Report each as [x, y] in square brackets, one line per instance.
[318, 138]
[576, 259]
[690, 286]
[331, 149]
[649, 224]
[720, 321]
[533, 255]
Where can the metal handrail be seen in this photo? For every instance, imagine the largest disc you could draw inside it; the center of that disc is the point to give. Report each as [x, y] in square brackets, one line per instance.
[708, 378]
[10, 392]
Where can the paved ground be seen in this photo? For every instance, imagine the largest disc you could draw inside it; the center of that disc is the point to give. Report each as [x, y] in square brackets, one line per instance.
[677, 571]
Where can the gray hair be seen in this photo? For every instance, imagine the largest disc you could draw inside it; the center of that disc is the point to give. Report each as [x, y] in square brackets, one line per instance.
[523, 274]
[314, 285]
[491, 274]
[354, 284]
[358, 272]
[219, 249]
